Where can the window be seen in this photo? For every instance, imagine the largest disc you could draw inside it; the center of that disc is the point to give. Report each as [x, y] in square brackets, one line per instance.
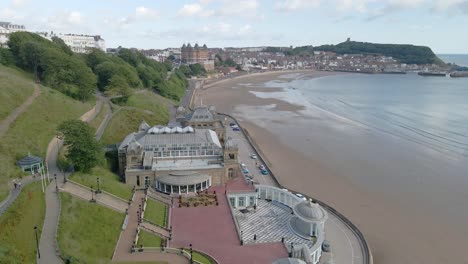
[191, 188]
[252, 200]
[138, 180]
[232, 200]
[175, 189]
[241, 201]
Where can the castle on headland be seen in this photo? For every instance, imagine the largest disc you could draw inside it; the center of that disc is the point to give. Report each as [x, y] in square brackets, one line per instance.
[197, 54]
[188, 156]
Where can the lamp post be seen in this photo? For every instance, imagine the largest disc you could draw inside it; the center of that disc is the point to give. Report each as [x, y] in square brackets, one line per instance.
[191, 254]
[92, 195]
[37, 242]
[98, 188]
[242, 238]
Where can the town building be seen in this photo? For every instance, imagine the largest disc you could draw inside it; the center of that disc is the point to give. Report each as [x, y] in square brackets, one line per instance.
[197, 54]
[79, 43]
[181, 158]
[5, 29]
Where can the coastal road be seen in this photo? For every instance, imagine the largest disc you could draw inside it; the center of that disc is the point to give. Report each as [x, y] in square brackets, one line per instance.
[346, 246]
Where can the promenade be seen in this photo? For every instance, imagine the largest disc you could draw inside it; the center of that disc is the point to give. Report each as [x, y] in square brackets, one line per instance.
[347, 246]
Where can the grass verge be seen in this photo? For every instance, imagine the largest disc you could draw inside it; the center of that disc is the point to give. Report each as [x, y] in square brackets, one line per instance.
[147, 239]
[96, 122]
[87, 232]
[17, 237]
[156, 212]
[108, 182]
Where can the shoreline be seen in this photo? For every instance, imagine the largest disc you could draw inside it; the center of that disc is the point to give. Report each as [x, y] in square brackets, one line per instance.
[369, 211]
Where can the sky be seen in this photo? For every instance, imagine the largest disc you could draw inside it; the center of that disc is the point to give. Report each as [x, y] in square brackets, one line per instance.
[439, 24]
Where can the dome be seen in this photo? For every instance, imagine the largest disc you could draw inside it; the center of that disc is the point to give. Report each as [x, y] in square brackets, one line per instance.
[309, 210]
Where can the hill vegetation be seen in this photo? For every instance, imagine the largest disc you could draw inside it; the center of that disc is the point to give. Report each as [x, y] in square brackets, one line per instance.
[78, 75]
[404, 53]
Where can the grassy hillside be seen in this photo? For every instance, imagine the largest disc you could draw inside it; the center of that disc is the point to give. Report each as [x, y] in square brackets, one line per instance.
[15, 89]
[404, 53]
[17, 237]
[126, 121]
[88, 232]
[33, 130]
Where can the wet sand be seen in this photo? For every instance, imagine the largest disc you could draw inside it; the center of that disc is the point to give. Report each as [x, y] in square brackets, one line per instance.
[397, 231]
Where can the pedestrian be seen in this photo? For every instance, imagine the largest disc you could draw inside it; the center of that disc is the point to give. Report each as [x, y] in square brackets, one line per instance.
[15, 184]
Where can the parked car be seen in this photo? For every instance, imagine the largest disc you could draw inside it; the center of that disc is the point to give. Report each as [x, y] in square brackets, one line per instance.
[264, 172]
[245, 170]
[262, 167]
[242, 165]
[236, 129]
[232, 124]
[253, 156]
[326, 246]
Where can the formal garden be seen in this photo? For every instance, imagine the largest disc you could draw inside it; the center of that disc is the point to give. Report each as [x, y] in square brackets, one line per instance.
[201, 199]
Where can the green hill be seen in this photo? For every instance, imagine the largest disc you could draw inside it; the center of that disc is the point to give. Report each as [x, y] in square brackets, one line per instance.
[15, 89]
[404, 53]
[33, 129]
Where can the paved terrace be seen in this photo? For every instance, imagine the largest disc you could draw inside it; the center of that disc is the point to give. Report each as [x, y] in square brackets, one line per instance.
[211, 230]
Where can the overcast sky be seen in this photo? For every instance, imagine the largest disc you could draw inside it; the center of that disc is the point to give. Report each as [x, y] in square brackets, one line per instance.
[439, 24]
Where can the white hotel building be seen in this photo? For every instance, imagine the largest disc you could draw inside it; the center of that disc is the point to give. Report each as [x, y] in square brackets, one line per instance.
[79, 43]
[5, 29]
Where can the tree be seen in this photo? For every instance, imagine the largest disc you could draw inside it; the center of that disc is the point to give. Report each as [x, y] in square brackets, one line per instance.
[83, 149]
[118, 87]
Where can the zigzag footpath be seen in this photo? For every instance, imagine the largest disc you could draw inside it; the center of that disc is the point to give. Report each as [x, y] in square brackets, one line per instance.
[48, 242]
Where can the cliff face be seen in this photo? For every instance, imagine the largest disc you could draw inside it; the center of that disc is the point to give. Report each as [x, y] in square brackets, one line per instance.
[404, 53]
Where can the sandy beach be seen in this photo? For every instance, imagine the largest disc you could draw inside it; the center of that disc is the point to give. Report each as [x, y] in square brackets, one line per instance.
[398, 232]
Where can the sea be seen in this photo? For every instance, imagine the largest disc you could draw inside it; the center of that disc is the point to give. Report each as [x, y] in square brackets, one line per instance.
[404, 137]
[459, 59]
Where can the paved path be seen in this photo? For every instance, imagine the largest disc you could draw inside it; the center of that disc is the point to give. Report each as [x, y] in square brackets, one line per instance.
[85, 193]
[47, 243]
[155, 229]
[14, 193]
[5, 124]
[105, 122]
[127, 236]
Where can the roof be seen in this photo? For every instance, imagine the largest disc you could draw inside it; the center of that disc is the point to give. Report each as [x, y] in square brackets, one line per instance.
[230, 144]
[189, 136]
[201, 114]
[187, 178]
[310, 211]
[143, 126]
[29, 160]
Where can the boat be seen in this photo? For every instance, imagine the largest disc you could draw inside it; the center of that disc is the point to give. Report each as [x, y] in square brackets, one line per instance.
[458, 74]
[435, 74]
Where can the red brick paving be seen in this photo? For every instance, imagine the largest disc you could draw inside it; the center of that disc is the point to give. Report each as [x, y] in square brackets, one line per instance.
[211, 229]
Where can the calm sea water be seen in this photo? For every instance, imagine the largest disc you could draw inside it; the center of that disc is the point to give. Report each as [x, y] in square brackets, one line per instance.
[460, 59]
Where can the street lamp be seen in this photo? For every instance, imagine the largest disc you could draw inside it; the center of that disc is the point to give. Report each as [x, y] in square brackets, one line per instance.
[242, 238]
[98, 189]
[92, 195]
[37, 242]
[191, 254]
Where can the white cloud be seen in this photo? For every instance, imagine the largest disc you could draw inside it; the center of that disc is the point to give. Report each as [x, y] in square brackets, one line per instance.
[65, 20]
[242, 8]
[293, 5]
[145, 12]
[194, 10]
[443, 5]
[18, 3]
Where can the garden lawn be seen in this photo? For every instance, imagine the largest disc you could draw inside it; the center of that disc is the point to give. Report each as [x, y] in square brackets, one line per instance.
[33, 130]
[108, 182]
[126, 121]
[17, 237]
[149, 240]
[201, 257]
[88, 232]
[15, 90]
[156, 212]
